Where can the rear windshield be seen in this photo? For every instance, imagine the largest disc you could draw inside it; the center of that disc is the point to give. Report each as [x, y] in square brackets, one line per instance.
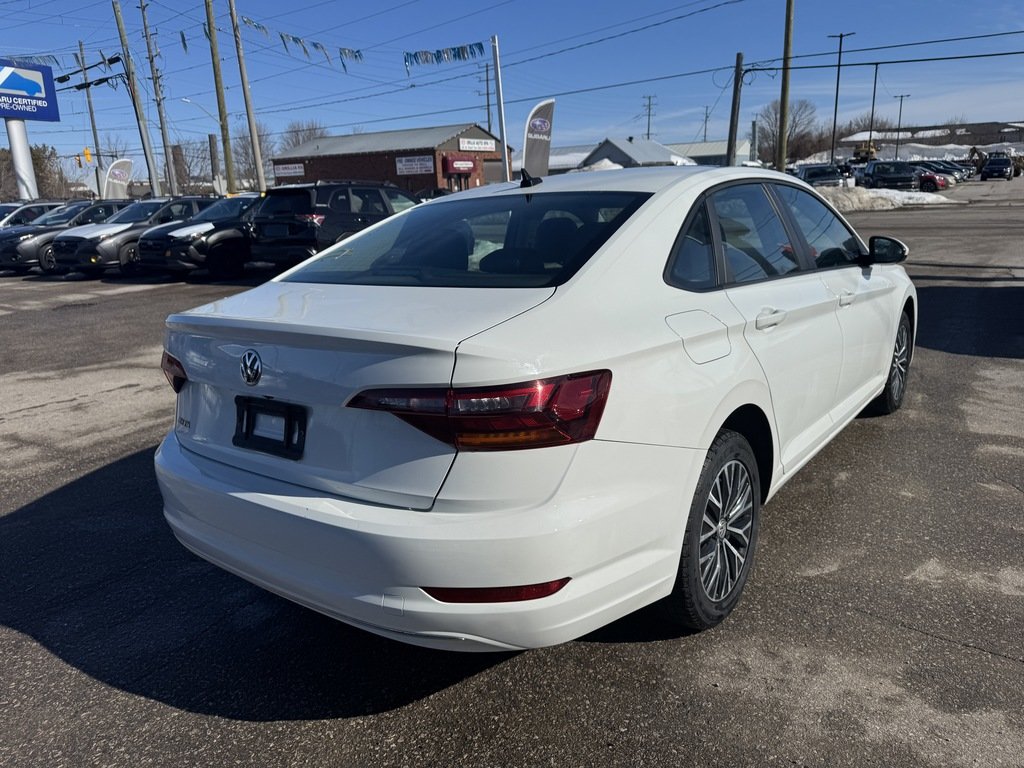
[505, 241]
[290, 202]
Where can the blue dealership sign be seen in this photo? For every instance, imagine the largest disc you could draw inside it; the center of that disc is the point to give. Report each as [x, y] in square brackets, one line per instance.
[26, 92]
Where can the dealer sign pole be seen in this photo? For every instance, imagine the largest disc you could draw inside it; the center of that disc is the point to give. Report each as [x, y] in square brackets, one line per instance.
[21, 158]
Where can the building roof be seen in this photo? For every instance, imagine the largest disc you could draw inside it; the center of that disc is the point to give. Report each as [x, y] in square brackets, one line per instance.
[640, 151]
[382, 141]
[710, 148]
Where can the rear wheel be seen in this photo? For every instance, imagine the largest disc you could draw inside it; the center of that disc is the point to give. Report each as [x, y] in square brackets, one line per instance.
[720, 537]
[896, 384]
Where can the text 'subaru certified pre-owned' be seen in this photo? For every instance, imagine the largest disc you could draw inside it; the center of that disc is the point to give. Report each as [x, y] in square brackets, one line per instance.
[505, 418]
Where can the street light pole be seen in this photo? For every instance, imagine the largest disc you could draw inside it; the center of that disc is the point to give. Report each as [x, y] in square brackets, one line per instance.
[899, 123]
[839, 69]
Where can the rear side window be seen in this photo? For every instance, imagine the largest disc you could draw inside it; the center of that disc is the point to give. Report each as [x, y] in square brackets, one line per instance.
[399, 200]
[692, 263]
[293, 202]
[505, 241]
[754, 238]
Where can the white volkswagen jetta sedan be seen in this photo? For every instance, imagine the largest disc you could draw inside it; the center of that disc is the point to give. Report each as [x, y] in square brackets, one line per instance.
[502, 419]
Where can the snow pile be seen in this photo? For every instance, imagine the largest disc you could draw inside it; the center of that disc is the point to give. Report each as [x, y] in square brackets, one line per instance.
[850, 199]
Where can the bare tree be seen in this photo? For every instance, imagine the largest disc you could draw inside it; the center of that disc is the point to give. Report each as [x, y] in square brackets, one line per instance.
[192, 159]
[299, 132]
[245, 165]
[802, 133]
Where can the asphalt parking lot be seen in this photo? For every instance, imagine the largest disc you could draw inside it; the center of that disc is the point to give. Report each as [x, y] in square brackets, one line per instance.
[883, 624]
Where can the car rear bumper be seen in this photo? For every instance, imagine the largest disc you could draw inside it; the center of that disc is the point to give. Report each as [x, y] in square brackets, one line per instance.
[614, 526]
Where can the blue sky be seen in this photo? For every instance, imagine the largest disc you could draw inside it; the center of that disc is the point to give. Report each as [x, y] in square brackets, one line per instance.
[548, 47]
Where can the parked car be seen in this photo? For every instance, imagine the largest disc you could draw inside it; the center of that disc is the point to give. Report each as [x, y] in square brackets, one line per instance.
[997, 168]
[216, 238]
[114, 243]
[953, 175]
[888, 174]
[820, 175]
[507, 417]
[26, 213]
[31, 245]
[929, 181]
[295, 221]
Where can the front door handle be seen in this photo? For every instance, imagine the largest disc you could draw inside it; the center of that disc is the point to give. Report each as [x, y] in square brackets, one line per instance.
[846, 298]
[769, 318]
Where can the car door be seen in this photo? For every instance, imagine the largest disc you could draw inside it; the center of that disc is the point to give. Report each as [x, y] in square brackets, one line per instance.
[862, 297]
[789, 315]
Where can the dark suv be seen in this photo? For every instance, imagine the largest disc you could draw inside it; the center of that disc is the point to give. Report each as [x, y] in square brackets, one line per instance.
[217, 238]
[890, 174]
[997, 168]
[114, 243]
[296, 220]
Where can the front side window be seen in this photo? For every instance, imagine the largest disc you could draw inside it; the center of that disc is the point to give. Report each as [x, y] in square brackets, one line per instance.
[504, 241]
[831, 243]
[399, 200]
[755, 241]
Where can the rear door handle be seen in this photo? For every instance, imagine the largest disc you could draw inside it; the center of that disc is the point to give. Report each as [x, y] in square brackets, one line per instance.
[846, 298]
[769, 318]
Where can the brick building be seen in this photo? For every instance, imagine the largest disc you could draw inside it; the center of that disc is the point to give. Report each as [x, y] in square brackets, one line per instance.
[452, 157]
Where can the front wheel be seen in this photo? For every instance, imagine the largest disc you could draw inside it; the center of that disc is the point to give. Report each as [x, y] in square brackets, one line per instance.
[129, 260]
[48, 261]
[720, 537]
[891, 398]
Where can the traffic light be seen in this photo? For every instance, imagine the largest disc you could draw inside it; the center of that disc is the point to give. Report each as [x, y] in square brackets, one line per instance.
[78, 160]
[88, 155]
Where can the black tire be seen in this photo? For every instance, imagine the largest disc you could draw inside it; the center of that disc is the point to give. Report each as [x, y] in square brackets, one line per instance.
[928, 186]
[721, 530]
[225, 264]
[891, 398]
[129, 259]
[48, 262]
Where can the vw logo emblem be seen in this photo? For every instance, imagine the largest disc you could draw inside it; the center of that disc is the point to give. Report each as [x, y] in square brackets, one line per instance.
[252, 367]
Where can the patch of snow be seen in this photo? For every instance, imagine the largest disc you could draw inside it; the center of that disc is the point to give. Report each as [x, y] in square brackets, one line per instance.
[935, 132]
[847, 200]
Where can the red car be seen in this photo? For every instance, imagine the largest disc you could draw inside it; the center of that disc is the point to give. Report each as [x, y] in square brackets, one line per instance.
[930, 181]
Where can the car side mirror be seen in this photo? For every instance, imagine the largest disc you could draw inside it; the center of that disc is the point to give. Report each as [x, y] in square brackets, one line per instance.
[885, 250]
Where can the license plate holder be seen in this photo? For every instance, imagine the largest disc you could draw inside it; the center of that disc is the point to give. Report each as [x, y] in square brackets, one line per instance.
[275, 230]
[270, 426]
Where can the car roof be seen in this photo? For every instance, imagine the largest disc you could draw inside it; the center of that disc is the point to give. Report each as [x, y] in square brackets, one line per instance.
[655, 179]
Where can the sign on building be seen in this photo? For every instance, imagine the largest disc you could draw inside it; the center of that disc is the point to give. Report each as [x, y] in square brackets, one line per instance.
[26, 92]
[477, 145]
[289, 169]
[414, 166]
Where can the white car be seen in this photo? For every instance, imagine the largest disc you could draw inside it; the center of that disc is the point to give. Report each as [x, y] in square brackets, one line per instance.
[505, 418]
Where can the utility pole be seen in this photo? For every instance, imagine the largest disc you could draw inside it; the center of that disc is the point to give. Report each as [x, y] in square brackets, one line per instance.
[649, 109]
[222, 111]
[871, 124]
[734, 117]
[92, 121]
[839, 69]
[169, 169]
[787, 54]
[506, 171]
[133, 91]
[214, 165]
[487, 94]
[257, 151]
[707, 115]
[899, 123]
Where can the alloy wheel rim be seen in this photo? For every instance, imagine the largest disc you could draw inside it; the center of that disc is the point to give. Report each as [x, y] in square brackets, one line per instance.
[900, 358]
[725, 531]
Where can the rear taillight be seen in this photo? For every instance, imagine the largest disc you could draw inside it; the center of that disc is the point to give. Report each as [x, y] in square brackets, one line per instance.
[310, 218]
[174, 371]
[532, 414]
